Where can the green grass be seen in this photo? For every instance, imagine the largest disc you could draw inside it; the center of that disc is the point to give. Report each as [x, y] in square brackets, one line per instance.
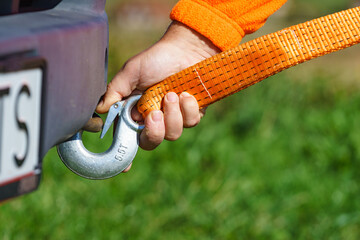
[278, 160]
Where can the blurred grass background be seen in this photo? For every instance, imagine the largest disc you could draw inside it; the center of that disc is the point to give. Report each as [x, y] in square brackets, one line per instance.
[276, 161]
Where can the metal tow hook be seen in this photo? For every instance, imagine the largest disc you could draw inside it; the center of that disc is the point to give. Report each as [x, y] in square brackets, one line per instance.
[120, 154]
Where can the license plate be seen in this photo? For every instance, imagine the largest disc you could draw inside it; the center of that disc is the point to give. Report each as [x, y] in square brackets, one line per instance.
[20, 114]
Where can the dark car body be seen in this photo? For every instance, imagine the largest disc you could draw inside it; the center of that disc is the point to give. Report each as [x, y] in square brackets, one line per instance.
[66, 42]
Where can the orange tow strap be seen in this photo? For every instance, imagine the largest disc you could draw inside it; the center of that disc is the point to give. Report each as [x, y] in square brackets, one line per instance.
[238, 68]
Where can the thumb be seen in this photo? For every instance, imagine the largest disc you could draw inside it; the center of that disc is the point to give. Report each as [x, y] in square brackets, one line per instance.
[121, 86]
[111, 96]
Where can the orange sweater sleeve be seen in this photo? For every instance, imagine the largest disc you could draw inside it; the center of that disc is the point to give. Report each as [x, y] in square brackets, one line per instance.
[224, 22]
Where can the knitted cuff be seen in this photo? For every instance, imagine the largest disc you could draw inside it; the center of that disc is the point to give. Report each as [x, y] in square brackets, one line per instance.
[221, 30]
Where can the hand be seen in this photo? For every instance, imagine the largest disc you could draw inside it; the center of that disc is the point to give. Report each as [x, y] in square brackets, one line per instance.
[179, 48]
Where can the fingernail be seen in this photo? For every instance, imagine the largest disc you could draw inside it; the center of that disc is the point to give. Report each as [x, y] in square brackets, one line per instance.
[185, 94]
[171, 97]
[156, 116]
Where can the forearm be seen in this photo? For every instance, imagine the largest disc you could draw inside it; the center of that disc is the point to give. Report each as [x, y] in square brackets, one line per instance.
[185, 36]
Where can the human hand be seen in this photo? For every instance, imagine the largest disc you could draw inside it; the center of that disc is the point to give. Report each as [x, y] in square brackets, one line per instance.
[179, 48]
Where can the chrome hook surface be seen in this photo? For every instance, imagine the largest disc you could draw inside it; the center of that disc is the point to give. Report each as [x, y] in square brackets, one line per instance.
[111, 162]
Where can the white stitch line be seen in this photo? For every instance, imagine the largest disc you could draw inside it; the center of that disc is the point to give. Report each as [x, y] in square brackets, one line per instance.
[297, 38]
[202, 83]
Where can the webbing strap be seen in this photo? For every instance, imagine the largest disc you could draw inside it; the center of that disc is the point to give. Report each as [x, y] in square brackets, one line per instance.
[238, 68]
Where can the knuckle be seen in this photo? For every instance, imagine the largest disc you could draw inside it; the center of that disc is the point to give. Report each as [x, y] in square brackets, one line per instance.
[149, 142]
[173, 136]
[191, 123]
[154, 138]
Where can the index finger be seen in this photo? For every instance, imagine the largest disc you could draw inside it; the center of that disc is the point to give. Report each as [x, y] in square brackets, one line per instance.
[121, 86]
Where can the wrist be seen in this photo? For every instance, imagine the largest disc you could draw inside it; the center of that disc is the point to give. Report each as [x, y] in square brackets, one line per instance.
[188, 39]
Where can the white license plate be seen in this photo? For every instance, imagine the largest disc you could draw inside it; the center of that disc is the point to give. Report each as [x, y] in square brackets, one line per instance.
[20, 114]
